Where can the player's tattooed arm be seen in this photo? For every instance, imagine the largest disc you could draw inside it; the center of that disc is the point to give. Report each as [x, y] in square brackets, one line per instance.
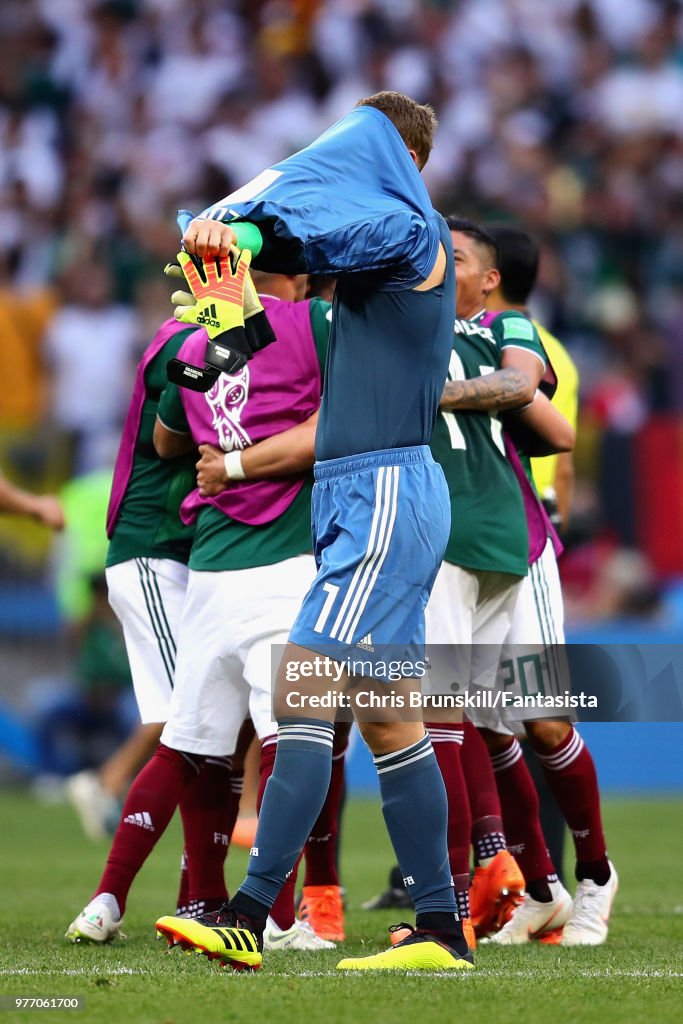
[500, 391]
[285, 454]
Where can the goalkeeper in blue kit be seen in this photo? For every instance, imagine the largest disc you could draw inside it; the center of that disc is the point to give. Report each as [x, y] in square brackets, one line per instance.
[353, 204]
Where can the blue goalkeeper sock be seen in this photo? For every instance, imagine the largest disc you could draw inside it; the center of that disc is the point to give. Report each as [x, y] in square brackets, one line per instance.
[415, 809]
[293, 798]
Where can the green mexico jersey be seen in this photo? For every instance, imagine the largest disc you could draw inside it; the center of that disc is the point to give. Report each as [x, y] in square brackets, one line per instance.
[488, 523]
[222, 544]
[149, 524]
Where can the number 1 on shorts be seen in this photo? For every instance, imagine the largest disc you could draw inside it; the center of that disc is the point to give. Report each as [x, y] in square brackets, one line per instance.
[331, 590]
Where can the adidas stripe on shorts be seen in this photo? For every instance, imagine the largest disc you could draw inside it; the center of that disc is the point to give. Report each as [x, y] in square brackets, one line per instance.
[147, 596]
[225, 670]
[381, 523]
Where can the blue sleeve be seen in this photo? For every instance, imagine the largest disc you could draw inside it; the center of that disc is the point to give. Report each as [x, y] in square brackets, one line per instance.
[403, 241]
[400, 241]
[351, 201]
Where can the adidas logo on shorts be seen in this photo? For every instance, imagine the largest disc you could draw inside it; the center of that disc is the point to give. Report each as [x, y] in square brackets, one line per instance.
[143, 819]
[365, 643]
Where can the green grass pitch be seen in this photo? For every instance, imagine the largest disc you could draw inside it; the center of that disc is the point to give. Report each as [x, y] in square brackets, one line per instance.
[48, 870]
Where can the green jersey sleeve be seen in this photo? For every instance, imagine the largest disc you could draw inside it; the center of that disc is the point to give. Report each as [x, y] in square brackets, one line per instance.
[514, 330]
[321, 320]
[171, 411]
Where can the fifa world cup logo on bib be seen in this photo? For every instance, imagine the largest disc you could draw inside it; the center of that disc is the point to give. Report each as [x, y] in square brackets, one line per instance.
[227, 399]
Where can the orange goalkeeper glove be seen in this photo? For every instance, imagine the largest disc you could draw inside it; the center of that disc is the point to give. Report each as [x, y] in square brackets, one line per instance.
[216, 303]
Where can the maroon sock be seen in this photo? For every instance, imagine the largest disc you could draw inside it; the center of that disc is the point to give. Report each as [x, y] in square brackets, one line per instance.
[321, 846]
[205, 810]
[488, 833]
[236, 784]
[268, 752]
[282, 911]
[461, 885]
[183, 901]
[149, 806]
[447, 743]
[570, 772]
[519, 800]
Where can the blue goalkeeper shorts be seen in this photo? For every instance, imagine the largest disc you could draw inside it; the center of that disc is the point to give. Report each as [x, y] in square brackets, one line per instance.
[381, 522]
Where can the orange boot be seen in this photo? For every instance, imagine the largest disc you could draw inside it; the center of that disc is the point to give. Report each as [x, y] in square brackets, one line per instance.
[244, 832]
[495, 892]
[322, 907]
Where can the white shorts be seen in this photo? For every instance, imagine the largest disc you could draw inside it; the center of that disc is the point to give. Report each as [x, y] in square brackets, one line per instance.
[147, 597]
[467, 619]
[224, 667]
[533, 659]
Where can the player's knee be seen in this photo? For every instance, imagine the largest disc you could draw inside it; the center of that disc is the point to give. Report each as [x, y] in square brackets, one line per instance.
[283, 706]
[301, 701]
[387, 737]
[545, 735]
[375, 734]
[495, 742]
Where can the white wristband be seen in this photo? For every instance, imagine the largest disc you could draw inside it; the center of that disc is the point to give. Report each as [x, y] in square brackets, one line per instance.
[233, 466]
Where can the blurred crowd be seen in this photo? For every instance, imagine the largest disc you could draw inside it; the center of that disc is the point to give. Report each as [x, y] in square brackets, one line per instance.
[564, 115]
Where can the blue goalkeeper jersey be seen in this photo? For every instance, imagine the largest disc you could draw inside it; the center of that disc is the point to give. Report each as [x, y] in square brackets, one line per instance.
[353, 200]
[353, 204]
[386, 364]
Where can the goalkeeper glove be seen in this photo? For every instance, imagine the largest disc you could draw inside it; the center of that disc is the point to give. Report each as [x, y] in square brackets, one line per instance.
[216, 297]
[195, 378]
[258, 329]
[224, 301]
[259, 332]
[216, 303]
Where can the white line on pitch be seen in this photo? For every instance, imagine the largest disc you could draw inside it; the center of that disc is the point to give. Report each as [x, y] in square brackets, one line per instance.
[485, 972]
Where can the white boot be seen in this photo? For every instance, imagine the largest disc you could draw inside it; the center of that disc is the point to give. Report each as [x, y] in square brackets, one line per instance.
[532, 920]
[299, 937]
[589, 919]
[99, 922]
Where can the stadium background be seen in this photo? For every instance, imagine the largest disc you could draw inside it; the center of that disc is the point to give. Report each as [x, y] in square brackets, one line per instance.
[566, 116]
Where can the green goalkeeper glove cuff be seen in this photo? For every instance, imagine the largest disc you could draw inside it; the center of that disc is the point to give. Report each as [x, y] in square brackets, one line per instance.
[247, 236]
